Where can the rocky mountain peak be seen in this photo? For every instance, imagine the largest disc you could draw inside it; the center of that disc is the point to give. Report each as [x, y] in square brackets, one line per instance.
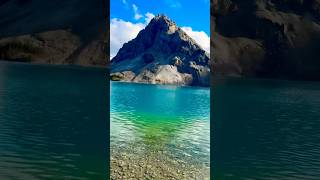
[163, 24]
[162, 21]
[162, 53]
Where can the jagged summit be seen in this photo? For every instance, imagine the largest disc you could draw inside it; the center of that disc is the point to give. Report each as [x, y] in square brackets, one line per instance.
[162, 53]
[163, 22]
[161, 18]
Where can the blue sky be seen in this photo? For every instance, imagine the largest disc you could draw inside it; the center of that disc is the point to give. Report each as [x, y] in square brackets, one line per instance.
[193, 13]
[128, 17]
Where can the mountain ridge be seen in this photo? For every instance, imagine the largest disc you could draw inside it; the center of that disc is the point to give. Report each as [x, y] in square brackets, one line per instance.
[162, 53]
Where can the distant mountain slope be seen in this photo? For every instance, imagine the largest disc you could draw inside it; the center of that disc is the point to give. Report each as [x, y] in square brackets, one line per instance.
[162, 53]
[54, 32]
[266, 38]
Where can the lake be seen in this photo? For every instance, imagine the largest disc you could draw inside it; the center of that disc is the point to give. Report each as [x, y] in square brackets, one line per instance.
[53, 122]
[266, 129]
[54, 119]
[160, 131]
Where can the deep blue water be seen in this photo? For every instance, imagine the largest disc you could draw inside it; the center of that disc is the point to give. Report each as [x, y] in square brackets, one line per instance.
[53, 122]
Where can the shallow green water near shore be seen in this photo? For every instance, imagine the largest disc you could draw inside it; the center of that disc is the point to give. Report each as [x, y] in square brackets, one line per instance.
[159, 131]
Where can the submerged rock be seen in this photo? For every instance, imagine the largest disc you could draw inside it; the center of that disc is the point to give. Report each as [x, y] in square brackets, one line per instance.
[153, 164]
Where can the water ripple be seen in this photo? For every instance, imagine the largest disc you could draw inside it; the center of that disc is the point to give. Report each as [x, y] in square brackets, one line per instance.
[162, 121]
[43, 122]
[272, 133]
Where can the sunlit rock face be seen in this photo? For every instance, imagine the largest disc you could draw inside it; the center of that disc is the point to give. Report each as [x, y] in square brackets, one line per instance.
[266, 38]
[162, 53]
[54, 32]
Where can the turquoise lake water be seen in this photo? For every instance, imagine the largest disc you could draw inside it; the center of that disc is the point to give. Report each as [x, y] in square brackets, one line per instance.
[53, 122]
[160, 122]
[266, 129]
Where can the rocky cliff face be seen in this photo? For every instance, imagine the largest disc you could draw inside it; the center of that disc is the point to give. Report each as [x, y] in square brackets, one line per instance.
[55, 32]
[162, 53]
[266, 38]
[54, 47]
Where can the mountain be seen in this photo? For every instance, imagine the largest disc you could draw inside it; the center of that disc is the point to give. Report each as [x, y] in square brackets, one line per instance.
[266, 38]
[162, 53]
[54, 32]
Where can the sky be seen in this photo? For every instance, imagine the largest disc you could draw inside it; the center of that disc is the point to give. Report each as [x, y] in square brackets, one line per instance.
[128, 17]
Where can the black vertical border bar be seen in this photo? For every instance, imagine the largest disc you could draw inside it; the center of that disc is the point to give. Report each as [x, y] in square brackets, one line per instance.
[211, 89]
[106, 14]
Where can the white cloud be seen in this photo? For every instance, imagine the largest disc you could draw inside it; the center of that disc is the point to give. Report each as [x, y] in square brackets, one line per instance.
[124, 2]
[121, 32]
[200, 37]
[137, 14]
[148, 17]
